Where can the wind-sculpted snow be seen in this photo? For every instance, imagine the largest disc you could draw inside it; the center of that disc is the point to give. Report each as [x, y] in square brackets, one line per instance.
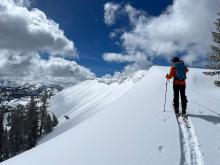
[99, 92]
[121, 122]
[84, 100]
[135, 77]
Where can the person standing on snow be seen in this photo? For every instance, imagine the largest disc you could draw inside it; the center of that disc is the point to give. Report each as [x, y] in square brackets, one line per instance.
[178, 72]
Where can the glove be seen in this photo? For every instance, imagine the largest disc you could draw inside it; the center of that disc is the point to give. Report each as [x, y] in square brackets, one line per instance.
[166, 75]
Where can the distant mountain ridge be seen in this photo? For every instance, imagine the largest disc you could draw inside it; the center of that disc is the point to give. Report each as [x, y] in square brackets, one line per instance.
[13, 94]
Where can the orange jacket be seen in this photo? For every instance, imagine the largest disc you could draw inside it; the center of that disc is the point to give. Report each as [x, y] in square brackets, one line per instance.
[172, 74]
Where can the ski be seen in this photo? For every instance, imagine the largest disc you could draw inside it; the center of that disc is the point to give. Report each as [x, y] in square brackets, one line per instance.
[186, 121]
[183, 120]
[178, 118]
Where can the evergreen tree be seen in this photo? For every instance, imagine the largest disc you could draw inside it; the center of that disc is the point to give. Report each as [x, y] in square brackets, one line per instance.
[49, 124]
[23, 127]
[55, 120]
[43, 113]
[16, 132]
[5, 146]
[31, 123]
[1, 134]
[214, 56]
[46, 122]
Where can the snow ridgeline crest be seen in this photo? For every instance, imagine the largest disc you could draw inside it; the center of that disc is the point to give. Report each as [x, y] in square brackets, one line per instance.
[134, 77]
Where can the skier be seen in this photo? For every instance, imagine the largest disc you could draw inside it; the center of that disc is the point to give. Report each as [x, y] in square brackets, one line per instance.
[178, 72]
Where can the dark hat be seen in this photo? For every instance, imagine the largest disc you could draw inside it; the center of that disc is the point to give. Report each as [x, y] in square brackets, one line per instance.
[175, 59]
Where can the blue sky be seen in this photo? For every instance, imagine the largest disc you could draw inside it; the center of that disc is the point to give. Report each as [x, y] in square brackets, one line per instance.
[40, 38]
[83, 22]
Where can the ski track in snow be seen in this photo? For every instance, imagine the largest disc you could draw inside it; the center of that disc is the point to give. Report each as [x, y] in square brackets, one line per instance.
[190, 152]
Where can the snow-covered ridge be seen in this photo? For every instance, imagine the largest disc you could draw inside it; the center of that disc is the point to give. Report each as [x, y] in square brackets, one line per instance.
[134, 77]
[96, 93]
[85, 99]
[131, 127]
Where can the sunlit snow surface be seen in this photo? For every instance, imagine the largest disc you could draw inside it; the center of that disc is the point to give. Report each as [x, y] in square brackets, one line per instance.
[124, 123]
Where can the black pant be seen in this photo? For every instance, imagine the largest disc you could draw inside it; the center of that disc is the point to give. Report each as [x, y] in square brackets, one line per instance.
[176, 90]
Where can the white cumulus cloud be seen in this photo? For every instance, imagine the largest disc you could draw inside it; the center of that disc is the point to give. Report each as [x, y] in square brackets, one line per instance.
[183, 28]
[117, 57]
[30, 30]
[110, 14]
[27, 33]
[26, 3]
[31, 68]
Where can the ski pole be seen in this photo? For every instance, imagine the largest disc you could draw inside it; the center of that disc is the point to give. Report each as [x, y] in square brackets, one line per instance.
[165, 97]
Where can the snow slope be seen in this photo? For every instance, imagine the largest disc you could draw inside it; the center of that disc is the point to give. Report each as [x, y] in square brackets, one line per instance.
[124, 124]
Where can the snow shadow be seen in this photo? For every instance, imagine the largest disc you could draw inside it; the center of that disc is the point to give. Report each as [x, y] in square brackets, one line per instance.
[205, 107]
[208, 118]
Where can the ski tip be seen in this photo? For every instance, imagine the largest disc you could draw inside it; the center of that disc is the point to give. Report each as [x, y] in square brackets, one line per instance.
[178, 114]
